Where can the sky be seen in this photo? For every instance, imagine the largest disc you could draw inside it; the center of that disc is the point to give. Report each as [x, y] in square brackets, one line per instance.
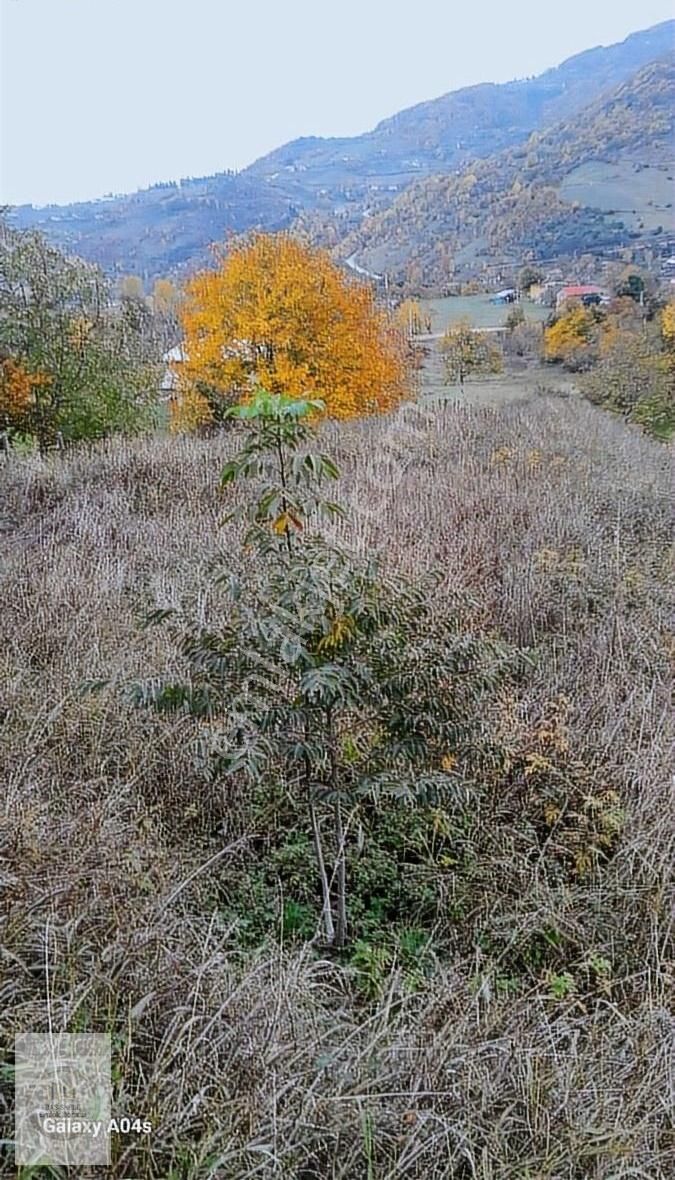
[100, 96]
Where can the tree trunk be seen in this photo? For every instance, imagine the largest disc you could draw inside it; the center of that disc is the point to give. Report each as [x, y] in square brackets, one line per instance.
[341, 875]
[326, 909]
[340, 852]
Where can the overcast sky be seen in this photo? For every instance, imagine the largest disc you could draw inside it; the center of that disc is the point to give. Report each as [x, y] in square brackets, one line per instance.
[111, 95]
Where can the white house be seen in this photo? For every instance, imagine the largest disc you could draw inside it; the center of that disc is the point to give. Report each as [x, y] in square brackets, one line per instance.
[169, 382]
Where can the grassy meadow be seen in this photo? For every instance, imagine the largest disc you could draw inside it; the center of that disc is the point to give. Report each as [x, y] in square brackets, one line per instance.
[503, 1014]
[478, 310]
[641, 197]
[518, 382]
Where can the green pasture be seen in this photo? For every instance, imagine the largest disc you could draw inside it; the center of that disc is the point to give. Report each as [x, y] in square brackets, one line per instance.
[478, 310]
[643, 197]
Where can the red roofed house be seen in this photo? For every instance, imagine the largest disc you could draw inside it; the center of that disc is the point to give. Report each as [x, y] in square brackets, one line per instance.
[586, 293]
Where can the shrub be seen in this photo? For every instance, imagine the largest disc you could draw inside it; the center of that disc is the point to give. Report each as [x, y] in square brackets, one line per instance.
[322, 670]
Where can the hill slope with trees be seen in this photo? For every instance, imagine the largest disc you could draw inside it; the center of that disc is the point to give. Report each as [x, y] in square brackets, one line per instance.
[512, 203]
[476, 121]
[163, 229]
[168, 228]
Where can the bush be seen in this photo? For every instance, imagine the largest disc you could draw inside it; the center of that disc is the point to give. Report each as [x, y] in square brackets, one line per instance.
[73, 366]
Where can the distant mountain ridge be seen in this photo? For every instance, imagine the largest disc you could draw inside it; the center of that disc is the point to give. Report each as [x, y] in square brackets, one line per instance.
[168, 228]
[558, 193]
[444, 133]
[161, 230]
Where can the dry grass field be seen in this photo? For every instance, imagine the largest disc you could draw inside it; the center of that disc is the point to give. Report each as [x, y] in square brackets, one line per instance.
[519, 381]
[537, 1042]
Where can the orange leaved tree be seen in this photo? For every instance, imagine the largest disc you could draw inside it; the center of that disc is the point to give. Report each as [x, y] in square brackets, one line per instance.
[280, 315]
[18, 405]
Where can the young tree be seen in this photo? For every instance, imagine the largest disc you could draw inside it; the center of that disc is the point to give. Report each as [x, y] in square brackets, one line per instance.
[468, 352]
[279, 314]
[322, 671]
[514, 319]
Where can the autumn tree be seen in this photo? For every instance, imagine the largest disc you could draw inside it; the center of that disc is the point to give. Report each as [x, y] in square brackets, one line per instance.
[131, 287]
[668, 325]
[279, 314]
[572, 338]
[165, 303]
[165, 297]
[633, 378]
[468, 352]
[409, 317]
[58, 323]
[18, 388]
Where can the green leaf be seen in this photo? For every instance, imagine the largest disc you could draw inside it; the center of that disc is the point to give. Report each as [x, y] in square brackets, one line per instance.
[229, 473]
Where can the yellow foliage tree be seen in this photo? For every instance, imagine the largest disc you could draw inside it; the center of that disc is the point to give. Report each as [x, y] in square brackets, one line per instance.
[165, 297]
[278, 314]
[131, 287]
[668, 324]
[571, 337]
[409, 318]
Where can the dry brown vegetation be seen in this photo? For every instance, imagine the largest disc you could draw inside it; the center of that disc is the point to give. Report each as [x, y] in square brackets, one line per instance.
[505, 1060]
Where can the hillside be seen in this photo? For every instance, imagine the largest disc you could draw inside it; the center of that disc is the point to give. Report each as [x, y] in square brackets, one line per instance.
[444, 133]
[169, 227]
[503, 1010]
[589, 182]
[163, 229]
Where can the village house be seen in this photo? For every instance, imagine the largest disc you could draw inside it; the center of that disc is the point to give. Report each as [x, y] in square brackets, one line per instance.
[586, 293]
[508, 295]
[169, 383]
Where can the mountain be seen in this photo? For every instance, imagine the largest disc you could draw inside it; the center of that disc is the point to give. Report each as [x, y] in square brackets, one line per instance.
[445, 133]
[164, 229]
[601, 179]
[168, 228]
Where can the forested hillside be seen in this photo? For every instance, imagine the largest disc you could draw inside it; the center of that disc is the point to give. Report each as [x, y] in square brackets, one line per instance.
[512, 203]
[168, 228]
[444, 133]
[162, 229]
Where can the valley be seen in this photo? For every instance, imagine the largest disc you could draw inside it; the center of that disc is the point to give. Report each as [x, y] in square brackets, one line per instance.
[339, 191]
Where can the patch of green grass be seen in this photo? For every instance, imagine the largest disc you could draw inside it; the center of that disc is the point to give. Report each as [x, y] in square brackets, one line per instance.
[478, 310]
[638, 196]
